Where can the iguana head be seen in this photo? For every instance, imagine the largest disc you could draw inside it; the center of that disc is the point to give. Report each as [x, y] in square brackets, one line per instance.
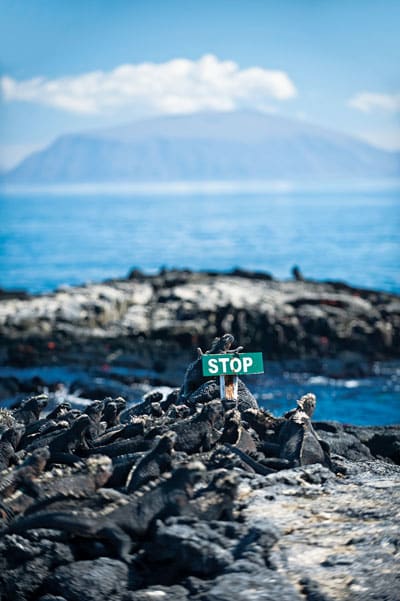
[81, 424]
[38, 458]
[307, 403]
[212, 410]
[101, 468]
[95, 409]
[13, 435]
[36, 404]
[6, 419]
[61, 409]
[166, 442]
[222, 344]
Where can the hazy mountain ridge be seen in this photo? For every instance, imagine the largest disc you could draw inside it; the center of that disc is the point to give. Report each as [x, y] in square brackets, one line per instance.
[205, 146]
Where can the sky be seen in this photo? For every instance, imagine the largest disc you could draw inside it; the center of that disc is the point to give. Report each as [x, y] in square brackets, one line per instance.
[68, 65]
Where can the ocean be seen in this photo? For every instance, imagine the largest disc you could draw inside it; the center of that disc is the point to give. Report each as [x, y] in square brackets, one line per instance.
[348, 234]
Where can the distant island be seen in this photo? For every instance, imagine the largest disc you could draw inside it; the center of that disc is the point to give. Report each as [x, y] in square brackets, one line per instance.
[232, 146]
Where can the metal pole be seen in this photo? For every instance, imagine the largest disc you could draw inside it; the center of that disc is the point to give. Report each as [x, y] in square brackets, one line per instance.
[222, 387]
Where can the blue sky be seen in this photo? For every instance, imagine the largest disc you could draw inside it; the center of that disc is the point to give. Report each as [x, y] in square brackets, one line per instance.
[70, 66]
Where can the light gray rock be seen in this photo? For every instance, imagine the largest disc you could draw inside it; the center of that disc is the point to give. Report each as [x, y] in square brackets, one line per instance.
[285, 319]
[339, 532]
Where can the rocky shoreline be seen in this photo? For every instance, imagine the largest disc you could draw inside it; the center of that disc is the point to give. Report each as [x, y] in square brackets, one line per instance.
[185, 496]
[154, 321]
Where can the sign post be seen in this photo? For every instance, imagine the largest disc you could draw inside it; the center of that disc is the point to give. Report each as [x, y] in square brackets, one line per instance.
[228, 366]
[228, 386]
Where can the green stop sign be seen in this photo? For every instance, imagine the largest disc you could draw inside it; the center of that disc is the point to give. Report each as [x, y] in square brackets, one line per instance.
[228, 364]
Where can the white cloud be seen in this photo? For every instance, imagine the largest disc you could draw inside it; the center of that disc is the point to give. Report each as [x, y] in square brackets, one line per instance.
[177, 86]
[369, 101]
[385, 139]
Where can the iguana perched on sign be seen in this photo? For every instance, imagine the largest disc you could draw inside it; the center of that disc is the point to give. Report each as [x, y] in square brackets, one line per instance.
[194, 373]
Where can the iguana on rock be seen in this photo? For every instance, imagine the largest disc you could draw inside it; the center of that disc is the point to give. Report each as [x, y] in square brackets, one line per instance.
[95, 412]
[215, 502]
[120, 526]
[9, 442]
[7, 419]
[235, 434]
[306, 403]
[249, 462]
[112, 411]
[120, 447]
[59, 411]
[154, 463]
[198, 433]
[30, 410]
[23, 477]
[299, 443]
[77, 485]
[194, 374]
[45, 424]
[63, 446]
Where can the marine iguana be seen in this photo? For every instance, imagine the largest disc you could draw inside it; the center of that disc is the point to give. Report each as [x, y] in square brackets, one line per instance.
[292, 441]
[9, 442]
[23, 476]
[197, 433]
[136, 427]
[170, 399]
[7, 419]
[110, 435]
[43, 433]
[120, 447]
[95, 412]
[262, 422]
[255, 466]
[110, 415]
[194, 375]
[299, 443]
[7, 455]
[215, 501]
[30, 410]
[48, 423]
[112, 410]
[155, 463]
[235, 434]
[210, 390]
[143, 408]
[122, 525]
[62, 446]
[156, 410]
[306, 403]
[80, 484]
[59, 411]
[71, 415]
[59, 489]
[122, 466]
[178, 411]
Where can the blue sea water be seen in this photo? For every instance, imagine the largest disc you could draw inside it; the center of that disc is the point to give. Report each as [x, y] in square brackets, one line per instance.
[352, 235]
[374, 400]
[348, 234]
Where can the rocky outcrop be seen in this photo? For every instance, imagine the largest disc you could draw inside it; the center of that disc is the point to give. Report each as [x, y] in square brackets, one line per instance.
[155, 317]
[206, 506]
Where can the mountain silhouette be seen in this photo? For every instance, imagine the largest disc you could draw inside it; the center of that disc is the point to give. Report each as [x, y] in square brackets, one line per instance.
[230, 146]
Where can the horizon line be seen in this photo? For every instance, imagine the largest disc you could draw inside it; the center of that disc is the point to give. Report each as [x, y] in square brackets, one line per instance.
[206, 187]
